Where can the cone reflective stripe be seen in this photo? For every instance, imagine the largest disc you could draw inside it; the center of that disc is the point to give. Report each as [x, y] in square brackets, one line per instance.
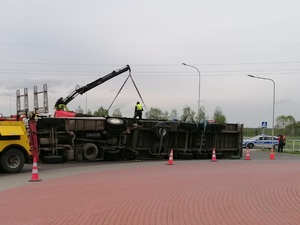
[170, 162]
[35, 172]
[272, 156]
[247, 154]
[213, 157]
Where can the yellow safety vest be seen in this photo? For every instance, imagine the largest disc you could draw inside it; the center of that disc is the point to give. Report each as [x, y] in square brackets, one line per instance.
[139, 107]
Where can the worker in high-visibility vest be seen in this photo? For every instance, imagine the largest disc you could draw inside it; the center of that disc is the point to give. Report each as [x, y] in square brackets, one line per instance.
[138, 111]
[60, 105]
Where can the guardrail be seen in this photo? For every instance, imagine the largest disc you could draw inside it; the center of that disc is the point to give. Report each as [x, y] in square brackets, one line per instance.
[292, 144]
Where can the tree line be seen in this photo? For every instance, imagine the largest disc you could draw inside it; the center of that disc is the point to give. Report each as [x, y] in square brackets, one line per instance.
[286, 125]
[187, 115]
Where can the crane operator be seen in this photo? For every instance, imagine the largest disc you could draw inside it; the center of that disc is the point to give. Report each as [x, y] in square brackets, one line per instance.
[60, 105]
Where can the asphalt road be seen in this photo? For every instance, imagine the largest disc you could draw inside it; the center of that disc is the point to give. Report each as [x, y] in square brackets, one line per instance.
[53, 171]
[189, 192]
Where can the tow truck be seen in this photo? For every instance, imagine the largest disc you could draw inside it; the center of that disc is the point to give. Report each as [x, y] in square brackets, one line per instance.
[18, 145]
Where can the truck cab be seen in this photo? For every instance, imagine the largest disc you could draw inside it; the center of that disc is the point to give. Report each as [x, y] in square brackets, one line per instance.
[14, 145]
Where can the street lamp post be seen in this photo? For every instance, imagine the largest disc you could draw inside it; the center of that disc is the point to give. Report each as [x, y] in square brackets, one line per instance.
[273, 115]
[198, 88]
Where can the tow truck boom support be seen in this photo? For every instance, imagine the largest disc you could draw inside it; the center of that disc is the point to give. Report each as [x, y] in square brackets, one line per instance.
[95, 83]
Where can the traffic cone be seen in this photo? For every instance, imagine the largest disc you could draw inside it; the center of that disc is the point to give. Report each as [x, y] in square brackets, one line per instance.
[213, 157]
[272, 155]
[170, 162]
[35, 172]
[247, 154]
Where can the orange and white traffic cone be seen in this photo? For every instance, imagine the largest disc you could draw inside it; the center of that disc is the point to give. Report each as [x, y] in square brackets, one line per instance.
[170, 162]
[272, 155]
[247, 155]
[213, 157]
[35, 172]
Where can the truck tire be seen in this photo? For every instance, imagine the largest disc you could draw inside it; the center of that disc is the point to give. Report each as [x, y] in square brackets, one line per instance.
[112, 155]
[200, 155]
[53, 159]
[90, 151]
[185, 155]
[115, 123]
[12, 160]
[114, 126]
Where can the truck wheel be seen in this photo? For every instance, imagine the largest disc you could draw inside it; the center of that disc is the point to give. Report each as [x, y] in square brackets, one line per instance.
[114, 126]
[200, 155]
[115, 123]
[112, 155]
[12, 160]
[185, 155]
[90, 151]
[53, 159]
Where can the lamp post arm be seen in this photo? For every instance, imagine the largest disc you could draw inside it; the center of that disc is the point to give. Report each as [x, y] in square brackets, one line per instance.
[273, 115]
[198, 88]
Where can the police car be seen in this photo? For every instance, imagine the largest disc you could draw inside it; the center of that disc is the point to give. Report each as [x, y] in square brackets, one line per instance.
[261, 141]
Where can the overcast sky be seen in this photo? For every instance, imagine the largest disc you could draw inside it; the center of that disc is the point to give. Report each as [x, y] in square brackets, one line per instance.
[64, 43]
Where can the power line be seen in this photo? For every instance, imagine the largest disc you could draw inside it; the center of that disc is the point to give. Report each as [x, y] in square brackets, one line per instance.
[146, 46]
[93, 71]
[145, 65]
[149, 74]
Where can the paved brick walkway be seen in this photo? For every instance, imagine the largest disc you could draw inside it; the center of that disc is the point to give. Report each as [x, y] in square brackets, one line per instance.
[186, 193]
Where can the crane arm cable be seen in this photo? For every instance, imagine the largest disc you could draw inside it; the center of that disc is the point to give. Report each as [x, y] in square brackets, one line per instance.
[122, 88]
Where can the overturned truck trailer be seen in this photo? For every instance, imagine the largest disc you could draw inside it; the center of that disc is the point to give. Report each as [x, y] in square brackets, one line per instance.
[98, 138]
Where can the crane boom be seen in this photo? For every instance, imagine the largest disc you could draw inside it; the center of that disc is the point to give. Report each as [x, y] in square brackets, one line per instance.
[95, 83]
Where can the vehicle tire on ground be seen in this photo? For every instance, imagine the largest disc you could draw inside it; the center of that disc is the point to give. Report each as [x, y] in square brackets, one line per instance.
[250, 145]
[90, 151]
[53, 159]
[200, 155]
[112, 155]
[275, 147]
[12, 160]
[185, 155]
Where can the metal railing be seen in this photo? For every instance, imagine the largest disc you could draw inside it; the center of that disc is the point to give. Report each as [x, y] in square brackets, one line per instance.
[292, 144]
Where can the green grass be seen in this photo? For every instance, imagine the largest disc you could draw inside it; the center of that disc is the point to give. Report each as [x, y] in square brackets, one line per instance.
[292, 152]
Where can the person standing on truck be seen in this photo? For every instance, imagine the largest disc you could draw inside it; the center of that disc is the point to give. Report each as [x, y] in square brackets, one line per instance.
[60, 105]
[138, 111]
[281, 142]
